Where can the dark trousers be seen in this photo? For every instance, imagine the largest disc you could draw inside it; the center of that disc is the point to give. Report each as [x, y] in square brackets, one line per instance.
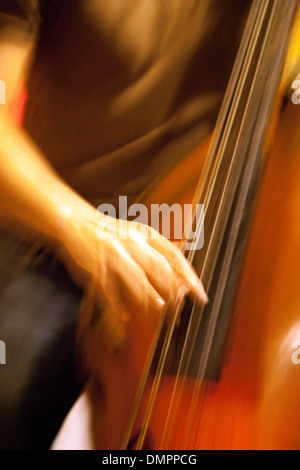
[39, 306]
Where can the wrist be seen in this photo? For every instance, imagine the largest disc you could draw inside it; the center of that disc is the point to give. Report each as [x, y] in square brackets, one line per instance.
[75, 218]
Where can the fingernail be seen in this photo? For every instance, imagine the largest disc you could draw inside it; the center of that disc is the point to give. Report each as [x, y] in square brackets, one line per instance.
[124, 317]
[202, 294]
[203, 297]
[182, 293]
[159, 303]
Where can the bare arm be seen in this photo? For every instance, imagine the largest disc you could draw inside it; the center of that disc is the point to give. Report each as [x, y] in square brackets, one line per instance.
[31, 191]
[134, 275]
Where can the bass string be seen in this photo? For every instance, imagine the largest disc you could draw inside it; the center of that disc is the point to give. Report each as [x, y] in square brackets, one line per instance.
[158, 375]
[211, 327]
[154, 390]
[146, 371]
[265, 105]
[157, 380]
[153, 399]
[178, 402]
[213, 319]
[181, 373]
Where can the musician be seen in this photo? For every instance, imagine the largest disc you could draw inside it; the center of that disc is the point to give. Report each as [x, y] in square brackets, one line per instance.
[118, 92]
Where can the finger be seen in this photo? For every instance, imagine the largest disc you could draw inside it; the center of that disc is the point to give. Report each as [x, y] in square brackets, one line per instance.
[181, 266]
[99, 327]
[186, 272]
[157, 269]
[131, 290]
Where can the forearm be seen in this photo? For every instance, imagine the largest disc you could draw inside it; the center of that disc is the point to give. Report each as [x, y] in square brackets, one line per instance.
[31, 191]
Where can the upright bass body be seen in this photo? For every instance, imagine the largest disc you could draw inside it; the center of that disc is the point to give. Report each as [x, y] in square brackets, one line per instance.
[256, 403]
[252, 402]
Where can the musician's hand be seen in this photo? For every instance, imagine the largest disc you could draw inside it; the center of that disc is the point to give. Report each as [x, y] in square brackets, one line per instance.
[138, 270]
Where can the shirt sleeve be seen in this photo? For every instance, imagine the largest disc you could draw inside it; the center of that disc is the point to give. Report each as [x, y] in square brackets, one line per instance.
[19, 19]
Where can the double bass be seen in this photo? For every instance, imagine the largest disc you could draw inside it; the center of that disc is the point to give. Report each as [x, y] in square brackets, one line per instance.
[227, 375]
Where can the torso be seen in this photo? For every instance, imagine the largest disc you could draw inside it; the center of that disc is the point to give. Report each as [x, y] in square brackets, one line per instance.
[119, 92]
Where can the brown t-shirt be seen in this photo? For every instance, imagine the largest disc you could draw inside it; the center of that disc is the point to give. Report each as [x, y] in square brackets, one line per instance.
[120, 90]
